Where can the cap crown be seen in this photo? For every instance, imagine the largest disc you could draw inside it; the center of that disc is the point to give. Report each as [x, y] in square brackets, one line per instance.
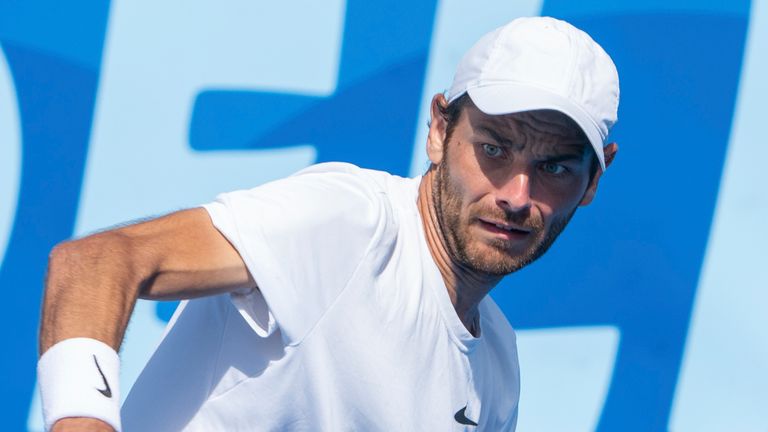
[542, 63]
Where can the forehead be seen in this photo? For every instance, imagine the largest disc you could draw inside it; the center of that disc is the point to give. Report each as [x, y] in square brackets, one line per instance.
[538, 128]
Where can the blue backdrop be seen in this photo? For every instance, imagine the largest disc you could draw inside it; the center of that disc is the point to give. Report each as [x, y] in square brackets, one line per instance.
[648, 314]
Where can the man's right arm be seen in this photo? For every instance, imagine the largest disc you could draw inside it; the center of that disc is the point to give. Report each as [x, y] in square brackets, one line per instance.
[93, 283]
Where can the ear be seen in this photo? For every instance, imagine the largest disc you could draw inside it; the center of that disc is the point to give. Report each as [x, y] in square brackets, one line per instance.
[437, 128]
[609, 151]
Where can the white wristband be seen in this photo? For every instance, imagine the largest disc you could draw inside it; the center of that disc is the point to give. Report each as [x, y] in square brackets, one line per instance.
[79, 377]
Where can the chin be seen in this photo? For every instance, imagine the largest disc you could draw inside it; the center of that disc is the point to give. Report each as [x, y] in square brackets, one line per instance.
[496, 261]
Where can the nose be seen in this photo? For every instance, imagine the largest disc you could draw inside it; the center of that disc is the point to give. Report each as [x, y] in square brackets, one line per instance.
[515, 194]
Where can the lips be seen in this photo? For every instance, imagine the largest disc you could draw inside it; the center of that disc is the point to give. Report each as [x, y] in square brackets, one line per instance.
[505, 228]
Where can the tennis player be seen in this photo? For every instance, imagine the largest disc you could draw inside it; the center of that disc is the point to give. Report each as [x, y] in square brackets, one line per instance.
[342, 298]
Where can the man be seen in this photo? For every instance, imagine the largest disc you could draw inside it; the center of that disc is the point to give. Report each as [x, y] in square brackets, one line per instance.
[342, 298]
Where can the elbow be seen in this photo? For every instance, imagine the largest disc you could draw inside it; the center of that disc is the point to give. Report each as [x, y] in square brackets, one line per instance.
[60, 252]
[109, 255]
[59, 259]
[71, 254]
[61, 271]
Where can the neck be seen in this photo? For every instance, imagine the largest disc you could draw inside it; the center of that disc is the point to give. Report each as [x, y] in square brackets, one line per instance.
[466, 286]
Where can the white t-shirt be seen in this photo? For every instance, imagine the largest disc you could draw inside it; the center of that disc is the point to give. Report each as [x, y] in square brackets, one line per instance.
[351, 328]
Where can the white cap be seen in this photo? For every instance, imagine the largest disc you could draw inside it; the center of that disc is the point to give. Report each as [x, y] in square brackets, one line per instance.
[542, 63]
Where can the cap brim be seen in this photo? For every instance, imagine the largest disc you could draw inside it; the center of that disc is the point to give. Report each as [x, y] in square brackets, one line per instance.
[508, 98]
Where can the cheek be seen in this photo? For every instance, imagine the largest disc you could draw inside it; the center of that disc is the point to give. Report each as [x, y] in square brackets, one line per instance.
[558, 200]
[466, 182]
[565, 191]
[474, 197]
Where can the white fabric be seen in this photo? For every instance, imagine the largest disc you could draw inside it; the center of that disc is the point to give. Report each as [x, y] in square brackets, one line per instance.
[72, 374]
[542, 63]
[351, 327]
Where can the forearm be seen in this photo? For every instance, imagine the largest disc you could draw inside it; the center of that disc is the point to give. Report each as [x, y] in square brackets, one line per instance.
[90, 290]
[92, 283]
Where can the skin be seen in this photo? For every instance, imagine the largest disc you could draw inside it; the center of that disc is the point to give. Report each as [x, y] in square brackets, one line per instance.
[93, 283]
[527, 172]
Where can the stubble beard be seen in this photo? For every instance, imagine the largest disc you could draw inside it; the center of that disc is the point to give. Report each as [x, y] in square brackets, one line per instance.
[498, 262]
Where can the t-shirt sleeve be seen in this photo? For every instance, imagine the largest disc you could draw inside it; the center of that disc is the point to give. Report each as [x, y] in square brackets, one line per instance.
[302, 238]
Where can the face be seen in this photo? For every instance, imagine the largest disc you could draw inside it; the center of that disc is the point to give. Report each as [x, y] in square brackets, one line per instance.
[506, 186]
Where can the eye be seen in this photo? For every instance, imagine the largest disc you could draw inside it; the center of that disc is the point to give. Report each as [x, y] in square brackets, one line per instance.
[552, 168]
[492, 151]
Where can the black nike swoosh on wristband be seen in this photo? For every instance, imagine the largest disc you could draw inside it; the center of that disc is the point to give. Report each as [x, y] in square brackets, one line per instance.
[461, 417]
[106, 392]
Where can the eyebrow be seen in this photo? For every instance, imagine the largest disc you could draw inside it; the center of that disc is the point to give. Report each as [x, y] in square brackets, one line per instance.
[566, 157]
[574, 153]
[566, 152]
[495, 135]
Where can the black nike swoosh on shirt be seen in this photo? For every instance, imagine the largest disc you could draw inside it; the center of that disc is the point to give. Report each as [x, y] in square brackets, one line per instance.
[106, 392]
[461, 417]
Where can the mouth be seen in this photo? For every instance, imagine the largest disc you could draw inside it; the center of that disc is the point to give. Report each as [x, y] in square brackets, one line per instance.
[505, 229]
